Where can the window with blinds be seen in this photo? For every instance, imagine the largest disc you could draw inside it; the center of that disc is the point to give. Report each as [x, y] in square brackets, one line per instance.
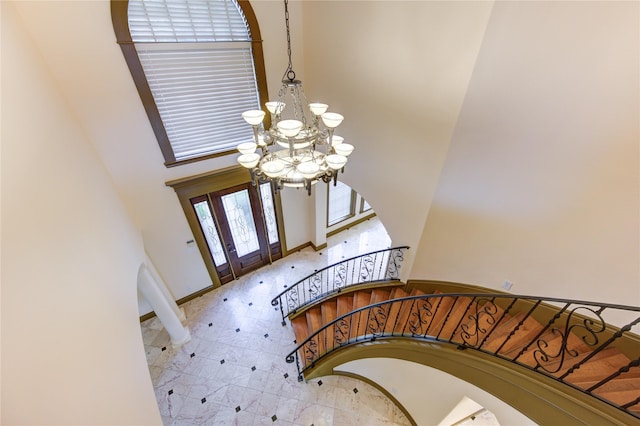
[197, 63]
[340, 204]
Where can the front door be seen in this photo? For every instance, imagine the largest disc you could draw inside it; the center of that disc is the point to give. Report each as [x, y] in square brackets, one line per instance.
[241, 227]
[238, 229]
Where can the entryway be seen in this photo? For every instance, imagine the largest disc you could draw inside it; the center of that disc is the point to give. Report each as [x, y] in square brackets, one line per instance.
[236, 225]
[240, 228]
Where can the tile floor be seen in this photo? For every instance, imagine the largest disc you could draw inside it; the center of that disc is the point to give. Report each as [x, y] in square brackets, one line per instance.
[233, 371]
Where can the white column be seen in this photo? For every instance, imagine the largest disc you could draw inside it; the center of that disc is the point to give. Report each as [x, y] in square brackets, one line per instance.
[165, 290]
[150, 289]
[320, 214]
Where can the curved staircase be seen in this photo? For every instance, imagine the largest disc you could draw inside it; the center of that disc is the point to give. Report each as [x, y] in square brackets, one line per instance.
[567, 341]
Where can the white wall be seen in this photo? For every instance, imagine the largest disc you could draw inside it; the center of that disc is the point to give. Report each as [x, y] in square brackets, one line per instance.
[426, 393]
[541, 181]
[101, 92]
[398, 72]
[71, 343]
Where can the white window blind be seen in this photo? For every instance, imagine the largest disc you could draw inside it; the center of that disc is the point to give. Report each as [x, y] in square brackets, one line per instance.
[340, 204]
[198, 62]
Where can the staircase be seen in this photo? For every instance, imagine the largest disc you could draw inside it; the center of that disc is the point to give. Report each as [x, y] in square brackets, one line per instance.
[567, 341]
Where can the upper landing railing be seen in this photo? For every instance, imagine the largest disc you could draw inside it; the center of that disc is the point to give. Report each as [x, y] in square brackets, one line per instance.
[381, 265]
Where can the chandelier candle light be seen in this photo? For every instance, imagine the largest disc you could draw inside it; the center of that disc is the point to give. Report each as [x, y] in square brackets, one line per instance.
[290, 152]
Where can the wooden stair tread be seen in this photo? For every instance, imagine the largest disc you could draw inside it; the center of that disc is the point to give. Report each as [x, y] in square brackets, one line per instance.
[300, 328]
[617, 384]
[479, 322]
[329, 311]
[508, 344]
[457, 318]
[621, 397]
[630, 377]
[314, 322]
[379, 295]
[314, 318]
[361, 298]
[397, 293]
[456, 314]
[416, 292]
[401, 318]
[600, 366]
[502, 330]
[441, 306]
[344, 304]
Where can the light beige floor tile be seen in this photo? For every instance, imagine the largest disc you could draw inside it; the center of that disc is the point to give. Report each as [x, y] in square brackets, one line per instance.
[236, 357]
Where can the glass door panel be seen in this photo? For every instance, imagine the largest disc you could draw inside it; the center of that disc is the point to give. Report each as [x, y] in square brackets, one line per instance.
[210, 232]
[269, 213]
[237, 209]
[270, 220]
[211, 235]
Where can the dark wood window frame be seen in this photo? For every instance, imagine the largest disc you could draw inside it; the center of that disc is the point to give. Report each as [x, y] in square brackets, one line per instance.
[119, 17]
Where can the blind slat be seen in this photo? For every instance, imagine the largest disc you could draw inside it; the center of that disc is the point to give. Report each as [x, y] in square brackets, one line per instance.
[197, 58]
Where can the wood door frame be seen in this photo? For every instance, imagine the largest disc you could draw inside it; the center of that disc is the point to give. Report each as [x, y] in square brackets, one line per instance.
[193, 186]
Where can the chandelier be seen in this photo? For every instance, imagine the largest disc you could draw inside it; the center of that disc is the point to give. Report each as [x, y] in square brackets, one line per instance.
[300, 147]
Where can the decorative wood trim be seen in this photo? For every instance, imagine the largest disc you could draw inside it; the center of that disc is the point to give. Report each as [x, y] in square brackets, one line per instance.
[354, 223]
[300, 247]
[320, 247]
[120, 20]
[179, 302]
[542, 399]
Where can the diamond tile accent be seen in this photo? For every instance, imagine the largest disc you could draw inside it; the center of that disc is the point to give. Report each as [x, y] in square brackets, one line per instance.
[262, 387]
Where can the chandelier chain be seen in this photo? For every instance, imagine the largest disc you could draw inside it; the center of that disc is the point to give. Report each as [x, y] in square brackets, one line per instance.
[289, 73]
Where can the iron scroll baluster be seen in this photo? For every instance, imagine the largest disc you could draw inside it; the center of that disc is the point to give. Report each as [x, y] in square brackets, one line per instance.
[482, 315]
[341, 275]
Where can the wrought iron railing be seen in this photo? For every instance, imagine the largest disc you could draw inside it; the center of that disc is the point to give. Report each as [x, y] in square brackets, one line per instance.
[380, 265]
[555, 337]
